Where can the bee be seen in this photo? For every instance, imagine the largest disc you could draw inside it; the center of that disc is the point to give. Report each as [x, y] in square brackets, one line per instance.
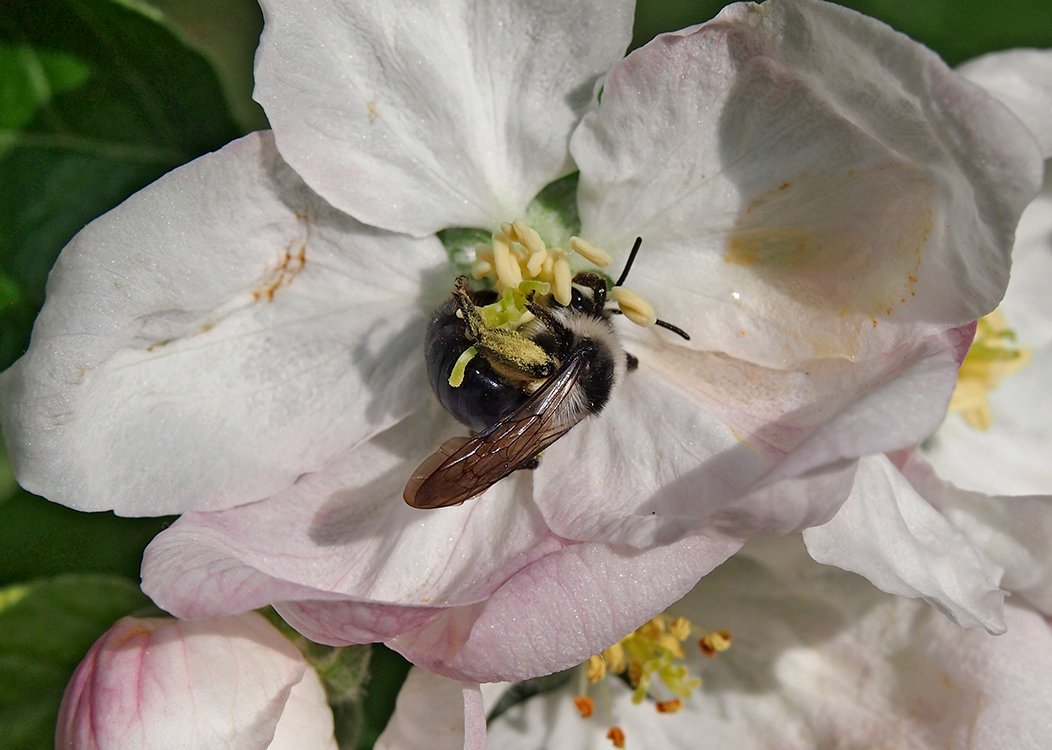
[528, 388]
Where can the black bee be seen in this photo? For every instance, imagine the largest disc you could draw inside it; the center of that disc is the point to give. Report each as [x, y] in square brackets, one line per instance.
[527, 388]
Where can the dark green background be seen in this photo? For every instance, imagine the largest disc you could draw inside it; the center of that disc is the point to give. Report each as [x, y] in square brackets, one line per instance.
[130, 97]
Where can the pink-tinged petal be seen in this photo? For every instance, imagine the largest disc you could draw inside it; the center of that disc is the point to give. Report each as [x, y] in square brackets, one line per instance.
[1022, 79]
[561, 609]
[719, 442]
[156, 683]
[435, 713]
[345, 533]
[821, 660]
[1013, 532]
[419, 116]
[828, 188]
[889, 534]
[217, 335]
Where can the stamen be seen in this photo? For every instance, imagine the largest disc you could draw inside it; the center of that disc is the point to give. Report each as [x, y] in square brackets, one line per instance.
[992, 357]
[508, 272]
[668, 707]
[480, 269]
[535, 262]
[590, 252]
[617, 736]
[528, 237]
[715, 642]
[585, 705]
[456, 378]
[635, 308]
[562, 288]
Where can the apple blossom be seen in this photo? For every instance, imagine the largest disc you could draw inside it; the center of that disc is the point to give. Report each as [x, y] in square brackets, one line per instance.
[151, 683]
[825, 206]
[819, 659]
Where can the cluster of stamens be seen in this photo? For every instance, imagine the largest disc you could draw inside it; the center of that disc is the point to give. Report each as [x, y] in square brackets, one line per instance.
[993, 356]
[518, 261]
[651, 659]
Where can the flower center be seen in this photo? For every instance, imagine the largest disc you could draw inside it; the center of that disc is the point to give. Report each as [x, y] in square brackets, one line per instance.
[993, 356]
[651, 659]
[517, 262]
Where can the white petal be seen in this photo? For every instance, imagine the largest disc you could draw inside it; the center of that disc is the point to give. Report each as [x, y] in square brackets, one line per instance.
[889, 534]
[821, 660]
[218, 334]
[1012, 456]
[435, 713]
[419, 116]
[346, 533]
[1012, 531]
[1022, 79]
[828, 188]
[306, 723]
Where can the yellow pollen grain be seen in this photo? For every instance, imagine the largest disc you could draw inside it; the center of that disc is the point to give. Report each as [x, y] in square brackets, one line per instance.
[508, 272]
[635, 308]
[562, 287]
[585, 705]
[590, 252]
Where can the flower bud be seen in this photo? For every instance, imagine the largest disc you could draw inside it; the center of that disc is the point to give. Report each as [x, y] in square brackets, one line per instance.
[162, 683]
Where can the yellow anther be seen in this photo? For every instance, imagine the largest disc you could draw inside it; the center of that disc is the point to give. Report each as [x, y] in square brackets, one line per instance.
[481, 269]
[635, 308]
[528, 237]
[505, 264]
[992, 357]
[668, 707]
[615, 658]
[596, 668]
[562, 287]
[715, 642]
[535, 262]
[590, 252]
[680, 628]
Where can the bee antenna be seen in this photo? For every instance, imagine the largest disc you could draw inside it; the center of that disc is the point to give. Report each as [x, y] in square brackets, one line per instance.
[675, 329]
[631, 259]
[660, 324]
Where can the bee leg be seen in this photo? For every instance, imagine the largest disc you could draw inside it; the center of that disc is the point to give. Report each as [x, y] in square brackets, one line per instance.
[563, 335]
[529, 464]
[631, 361]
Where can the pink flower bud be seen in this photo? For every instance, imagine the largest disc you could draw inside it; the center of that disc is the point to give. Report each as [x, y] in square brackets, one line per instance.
[161, 683]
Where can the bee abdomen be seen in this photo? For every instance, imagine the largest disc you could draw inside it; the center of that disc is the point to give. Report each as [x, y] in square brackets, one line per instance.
[483, 398]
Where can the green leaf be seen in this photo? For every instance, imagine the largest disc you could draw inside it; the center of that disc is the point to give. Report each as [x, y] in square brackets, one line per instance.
[46, 628]
[98, 98]
[387, 672]
[39, 538]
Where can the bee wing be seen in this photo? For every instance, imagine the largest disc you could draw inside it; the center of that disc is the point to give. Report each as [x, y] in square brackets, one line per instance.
[465, 467]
